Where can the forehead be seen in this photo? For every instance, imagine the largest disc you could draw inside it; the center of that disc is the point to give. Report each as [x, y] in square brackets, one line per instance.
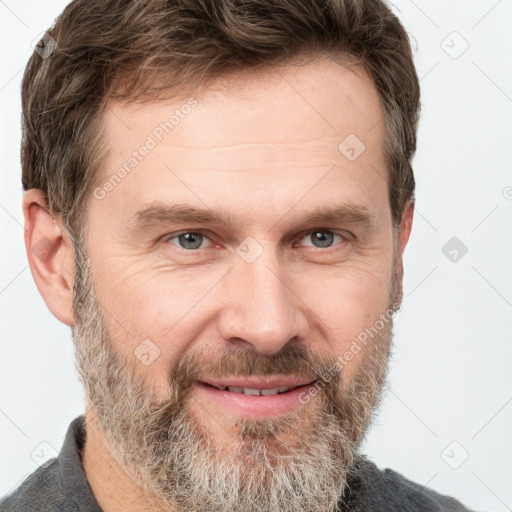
[264, 136]
[333, 97]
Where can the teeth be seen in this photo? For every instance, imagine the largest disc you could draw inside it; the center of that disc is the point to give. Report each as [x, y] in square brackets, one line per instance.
[257, 392]
[234, 389]
[249, 391]
[270, 392]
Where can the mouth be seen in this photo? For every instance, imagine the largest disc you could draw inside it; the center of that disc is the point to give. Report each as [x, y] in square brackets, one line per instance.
[255, 398]
[255, 392]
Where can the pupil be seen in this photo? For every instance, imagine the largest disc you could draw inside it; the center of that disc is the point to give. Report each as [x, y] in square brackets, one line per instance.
[324, 238]
[190, 240]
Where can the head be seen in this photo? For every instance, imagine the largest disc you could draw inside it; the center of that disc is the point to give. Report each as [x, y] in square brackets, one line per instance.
[222, 192]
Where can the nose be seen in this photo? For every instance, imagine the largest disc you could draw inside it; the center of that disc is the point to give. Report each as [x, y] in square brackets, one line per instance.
[260, 308]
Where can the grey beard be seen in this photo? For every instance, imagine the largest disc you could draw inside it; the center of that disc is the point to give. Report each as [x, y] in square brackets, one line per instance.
[272, 465]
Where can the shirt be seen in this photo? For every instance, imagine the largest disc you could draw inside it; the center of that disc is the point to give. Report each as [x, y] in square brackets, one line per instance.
[61, 485]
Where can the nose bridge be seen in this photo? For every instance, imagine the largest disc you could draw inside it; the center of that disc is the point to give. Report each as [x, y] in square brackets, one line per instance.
[259, 306]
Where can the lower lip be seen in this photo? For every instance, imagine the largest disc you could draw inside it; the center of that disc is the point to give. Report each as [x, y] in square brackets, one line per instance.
[250, 406]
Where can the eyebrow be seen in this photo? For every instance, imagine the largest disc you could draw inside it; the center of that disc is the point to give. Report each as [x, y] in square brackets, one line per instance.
[158, 214]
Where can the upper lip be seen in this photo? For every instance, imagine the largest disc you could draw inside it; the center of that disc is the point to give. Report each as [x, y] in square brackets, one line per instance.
[260, 382]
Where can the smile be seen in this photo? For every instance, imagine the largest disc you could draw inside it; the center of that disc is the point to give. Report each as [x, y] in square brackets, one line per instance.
[254, 398]
[255, 392]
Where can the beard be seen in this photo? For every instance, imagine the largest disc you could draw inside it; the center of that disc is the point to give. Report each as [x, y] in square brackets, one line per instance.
[298, 462]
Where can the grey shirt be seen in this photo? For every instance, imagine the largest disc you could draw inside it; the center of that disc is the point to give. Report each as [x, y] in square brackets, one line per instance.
[61, 486]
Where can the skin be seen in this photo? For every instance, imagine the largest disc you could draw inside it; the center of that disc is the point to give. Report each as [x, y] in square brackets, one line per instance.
[265, 148]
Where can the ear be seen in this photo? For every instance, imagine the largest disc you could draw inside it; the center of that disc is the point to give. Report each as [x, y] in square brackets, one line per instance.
[405, 227]
[50, 255]
[401, 236]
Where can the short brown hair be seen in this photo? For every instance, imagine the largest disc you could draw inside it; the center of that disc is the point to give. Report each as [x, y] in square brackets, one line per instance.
[120, 49]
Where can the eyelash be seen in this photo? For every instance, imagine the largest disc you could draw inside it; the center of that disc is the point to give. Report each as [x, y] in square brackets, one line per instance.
[345, 237]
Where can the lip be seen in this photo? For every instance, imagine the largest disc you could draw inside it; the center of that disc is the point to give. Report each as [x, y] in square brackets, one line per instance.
[260, 383]
[250, 406]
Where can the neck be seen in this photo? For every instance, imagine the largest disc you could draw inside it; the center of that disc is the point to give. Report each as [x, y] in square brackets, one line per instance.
[113, 488]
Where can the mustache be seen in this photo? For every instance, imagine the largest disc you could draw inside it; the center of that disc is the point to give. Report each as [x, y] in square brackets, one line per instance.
[292, 360]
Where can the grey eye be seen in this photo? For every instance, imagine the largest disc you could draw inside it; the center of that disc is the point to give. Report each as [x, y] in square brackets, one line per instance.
[190, 240]
[322, 238]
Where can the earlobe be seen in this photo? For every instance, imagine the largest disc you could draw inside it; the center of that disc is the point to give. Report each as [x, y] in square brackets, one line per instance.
[50, 255]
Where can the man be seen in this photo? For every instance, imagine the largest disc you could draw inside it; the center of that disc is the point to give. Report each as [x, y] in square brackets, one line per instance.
[218, 198]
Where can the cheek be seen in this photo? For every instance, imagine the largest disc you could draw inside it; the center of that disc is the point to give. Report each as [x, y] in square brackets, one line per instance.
[166, 307]
[351, 294]
[346, 305]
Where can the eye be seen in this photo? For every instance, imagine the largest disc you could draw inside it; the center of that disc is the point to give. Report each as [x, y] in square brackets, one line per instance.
[192, 241]
[322, 238]
[188, 240]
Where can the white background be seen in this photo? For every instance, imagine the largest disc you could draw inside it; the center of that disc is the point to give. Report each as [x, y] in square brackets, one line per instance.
[450, 379]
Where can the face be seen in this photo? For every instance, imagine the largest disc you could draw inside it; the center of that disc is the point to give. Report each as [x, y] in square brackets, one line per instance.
[225, 285]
